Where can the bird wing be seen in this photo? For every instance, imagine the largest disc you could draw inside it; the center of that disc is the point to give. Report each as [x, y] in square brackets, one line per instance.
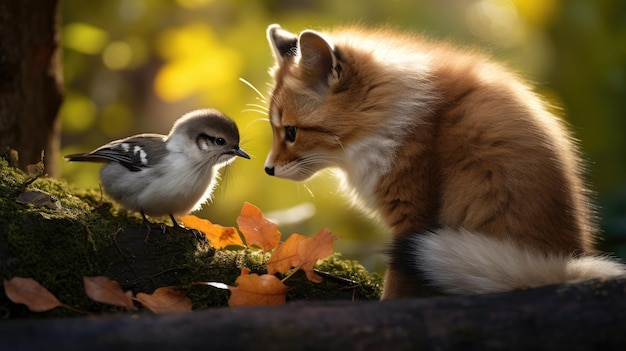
[135, 153]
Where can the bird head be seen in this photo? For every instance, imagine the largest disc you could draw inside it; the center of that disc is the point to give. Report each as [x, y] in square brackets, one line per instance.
[207, 136]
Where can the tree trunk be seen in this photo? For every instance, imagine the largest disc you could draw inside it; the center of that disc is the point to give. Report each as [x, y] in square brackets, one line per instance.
[30, 80]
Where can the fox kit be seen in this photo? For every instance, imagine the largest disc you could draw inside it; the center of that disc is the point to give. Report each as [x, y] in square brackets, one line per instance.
[478, 183]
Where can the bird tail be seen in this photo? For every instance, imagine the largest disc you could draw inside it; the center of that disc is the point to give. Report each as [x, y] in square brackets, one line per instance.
[462, 262]
[85, 158]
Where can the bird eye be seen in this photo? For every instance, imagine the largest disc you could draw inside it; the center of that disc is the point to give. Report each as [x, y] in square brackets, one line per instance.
[290, 133]
[220, 141]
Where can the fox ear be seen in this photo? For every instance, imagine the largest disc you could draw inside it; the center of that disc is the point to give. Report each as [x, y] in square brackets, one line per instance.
[317, 55]
[283, 43]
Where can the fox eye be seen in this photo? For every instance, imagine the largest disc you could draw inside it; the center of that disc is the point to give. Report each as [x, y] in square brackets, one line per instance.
[290, 133]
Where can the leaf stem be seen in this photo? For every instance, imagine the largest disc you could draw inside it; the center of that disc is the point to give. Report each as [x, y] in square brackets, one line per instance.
[68, 307]
[292, 273]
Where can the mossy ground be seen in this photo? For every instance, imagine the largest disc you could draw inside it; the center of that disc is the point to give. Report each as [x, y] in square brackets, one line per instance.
[74, 233]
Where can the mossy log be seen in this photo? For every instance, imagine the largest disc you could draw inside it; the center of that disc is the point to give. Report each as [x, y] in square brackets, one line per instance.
[585, 316]
[56, 234]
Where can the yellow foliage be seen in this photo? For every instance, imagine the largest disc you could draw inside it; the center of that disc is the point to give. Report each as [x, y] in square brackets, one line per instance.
[538, 12]
[190, 4]
[77, 113]
[84, 38]
[196, 62]
[117, 55]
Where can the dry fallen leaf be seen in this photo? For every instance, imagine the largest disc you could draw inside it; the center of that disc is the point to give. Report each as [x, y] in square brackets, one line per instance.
[36, 170]
[38, 198]
[301, 252]
[105, 290]
[312, 249]
[219, 236]
[257, 290]
[298, 252]
[286, 255]
[257, 229]
[166, 299]
[29, 292]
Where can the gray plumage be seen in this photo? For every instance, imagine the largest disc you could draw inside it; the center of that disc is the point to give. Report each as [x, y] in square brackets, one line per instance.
[128, 152]
[170, 174]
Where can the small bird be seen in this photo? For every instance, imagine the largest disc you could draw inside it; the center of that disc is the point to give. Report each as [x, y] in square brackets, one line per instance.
[172, 174]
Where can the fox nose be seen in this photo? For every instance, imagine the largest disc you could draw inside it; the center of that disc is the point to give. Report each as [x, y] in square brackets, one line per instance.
[269, 170]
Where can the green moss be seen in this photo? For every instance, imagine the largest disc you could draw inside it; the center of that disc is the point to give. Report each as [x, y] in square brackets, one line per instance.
[78, 233]
[367, 285]
[55, 246]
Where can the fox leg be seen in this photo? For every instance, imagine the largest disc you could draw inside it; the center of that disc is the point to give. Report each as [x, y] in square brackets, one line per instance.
[402, 283]
[403, 278]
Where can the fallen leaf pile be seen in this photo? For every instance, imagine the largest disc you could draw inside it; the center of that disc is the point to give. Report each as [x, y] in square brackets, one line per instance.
[105, 290]
[165, 299]
[257, 229]
[254, 289]
[29, 292]
[297, 252]
[220, 237]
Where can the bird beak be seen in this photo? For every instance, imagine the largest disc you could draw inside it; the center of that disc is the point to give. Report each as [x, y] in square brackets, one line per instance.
[239, 152]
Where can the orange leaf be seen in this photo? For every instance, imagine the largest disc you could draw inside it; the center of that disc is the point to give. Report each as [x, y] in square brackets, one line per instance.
[105, 290]
[286, 255]
[29, 292]
[257, 229]
[165, 300]
[219, 236]
[312, 249]
[257, 290]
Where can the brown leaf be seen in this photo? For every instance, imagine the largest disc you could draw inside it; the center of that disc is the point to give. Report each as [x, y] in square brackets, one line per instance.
[105, 290]
[312, 249]
[257, 290]
[36, 169]
[166, 299]
[257, 229]
[286, 255]
[29, 292]
[219, 236]
[38, 198]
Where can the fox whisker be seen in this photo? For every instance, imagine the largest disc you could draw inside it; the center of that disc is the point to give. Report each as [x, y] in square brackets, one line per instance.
[252, 87]
[254, 110]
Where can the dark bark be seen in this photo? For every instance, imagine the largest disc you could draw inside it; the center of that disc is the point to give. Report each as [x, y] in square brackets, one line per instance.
[584, 316]
[30, 80]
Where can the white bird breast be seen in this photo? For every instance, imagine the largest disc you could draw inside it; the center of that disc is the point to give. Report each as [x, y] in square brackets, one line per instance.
[175, 186]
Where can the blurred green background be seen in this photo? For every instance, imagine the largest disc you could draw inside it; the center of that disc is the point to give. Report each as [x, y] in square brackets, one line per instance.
[135, 66]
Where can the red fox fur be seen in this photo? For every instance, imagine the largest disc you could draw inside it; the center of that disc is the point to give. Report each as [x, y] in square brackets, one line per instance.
[478, 182]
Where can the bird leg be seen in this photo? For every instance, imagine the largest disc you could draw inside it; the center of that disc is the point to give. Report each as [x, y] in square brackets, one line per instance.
[174, 221]
[196, 233]
[145, 220]
[149, 224]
